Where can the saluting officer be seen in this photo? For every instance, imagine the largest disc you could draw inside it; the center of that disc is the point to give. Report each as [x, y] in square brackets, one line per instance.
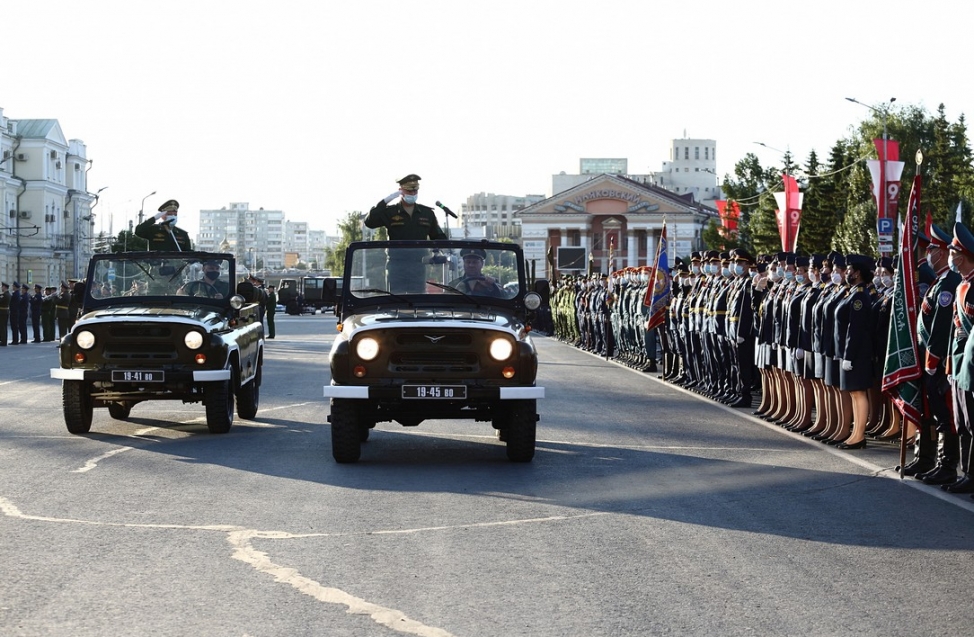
[165, 236]
[407, 219]
[62, 298]
[36, 303]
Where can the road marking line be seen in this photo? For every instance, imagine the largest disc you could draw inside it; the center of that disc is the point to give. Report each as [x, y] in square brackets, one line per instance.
[244, 551]
[91, 464]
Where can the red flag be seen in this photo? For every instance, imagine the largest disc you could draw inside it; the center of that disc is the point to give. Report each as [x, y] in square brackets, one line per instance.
[789, 213]
[658, 285]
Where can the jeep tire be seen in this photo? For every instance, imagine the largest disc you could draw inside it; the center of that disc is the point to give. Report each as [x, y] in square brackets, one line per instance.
[218, 397]
[346, 431]
[77, 405]
[119, 411]
[521, 430]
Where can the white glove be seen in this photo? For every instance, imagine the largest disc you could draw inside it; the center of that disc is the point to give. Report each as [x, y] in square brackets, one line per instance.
[391, 197]
[846, 366]
[929, 371]
[799, 354]
[159, 215]
[740, 340]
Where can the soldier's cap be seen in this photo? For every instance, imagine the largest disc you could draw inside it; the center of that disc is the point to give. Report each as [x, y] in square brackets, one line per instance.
[963, 240]
[72, 281]
[922, 240]
[802, 262]
[884, 262]
[725, 256]
[859, 261]
[16, 285]
[473, 252]
[409, 182]
[789, 258]
[762, 267]
[939, 238]
[831, 256]
[740, 254]
[64, 284]
[37, 286]
[713, 255]
[4, 285]
[694, 256]
[50, 287]
[170, 206]
[837, 260]
[212, 262]
[926, 273]
[23, 286]
[683, 268]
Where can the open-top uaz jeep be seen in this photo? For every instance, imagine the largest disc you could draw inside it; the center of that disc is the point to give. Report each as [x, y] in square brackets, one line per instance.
[434, 330]
[162, 326]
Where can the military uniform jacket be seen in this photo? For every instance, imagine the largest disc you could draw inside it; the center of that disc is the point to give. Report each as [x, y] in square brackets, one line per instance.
[160, 236]
[960, 353]
[421, 224]
[935, 319]
[4, 301]
[36, 305]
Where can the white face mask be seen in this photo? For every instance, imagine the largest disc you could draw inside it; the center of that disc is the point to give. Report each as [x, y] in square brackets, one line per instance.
[836, 278]
[930, 261]
[695, 269]
[409, 199]
[887, 281]
[814, 277]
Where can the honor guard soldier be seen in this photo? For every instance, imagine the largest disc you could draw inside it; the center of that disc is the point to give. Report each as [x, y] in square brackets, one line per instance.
[15, 314]
[62, 298]
[24, 314]
[961, 362]
[934, 322]
[406, 219]
[36, 306]
[48, 314]
[165, 236]
[4, 312]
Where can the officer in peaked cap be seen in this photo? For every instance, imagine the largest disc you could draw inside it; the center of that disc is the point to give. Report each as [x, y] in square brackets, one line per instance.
[406, 219]
[24, 315]
[14, 317]
[165, 236]
[934, 323]
[961, 361]
[36, 304]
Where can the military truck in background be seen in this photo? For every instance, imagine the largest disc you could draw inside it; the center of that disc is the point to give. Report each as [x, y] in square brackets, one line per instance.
[309, 294]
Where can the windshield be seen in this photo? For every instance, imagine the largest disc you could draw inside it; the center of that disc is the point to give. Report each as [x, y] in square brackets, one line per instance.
[183, 277]
[481, 272]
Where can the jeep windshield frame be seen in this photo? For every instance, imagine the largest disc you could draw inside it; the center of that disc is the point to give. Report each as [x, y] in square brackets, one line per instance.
[383, 275]
[158, 278]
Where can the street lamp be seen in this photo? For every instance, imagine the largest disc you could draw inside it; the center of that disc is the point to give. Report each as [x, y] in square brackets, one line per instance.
[143, 204]
[884, 113]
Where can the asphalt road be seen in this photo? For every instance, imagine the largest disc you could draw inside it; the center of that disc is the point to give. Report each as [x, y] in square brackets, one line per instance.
[647, 511]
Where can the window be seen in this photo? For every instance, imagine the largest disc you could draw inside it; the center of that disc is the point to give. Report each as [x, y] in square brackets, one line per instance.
[706, 152]
[696, 152]
[686, 153]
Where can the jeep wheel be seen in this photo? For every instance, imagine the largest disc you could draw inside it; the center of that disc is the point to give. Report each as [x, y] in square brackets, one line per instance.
[77, 406]
[218, 397]
[520, 434]
[119, 411]
[248, 398]
[346, 431]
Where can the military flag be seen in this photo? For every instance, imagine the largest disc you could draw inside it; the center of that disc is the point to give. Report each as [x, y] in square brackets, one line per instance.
[658, 287]
[902, 371]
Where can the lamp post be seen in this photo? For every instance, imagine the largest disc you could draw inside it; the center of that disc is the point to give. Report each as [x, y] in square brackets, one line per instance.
[884, 113]
[91, 216]
[142, 205]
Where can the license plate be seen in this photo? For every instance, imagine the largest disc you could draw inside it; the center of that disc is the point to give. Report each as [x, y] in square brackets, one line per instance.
[138, 376]
[433, 392]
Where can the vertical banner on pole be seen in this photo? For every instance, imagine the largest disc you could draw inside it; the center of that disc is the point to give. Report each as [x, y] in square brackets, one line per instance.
[789, 213]
[886, 173]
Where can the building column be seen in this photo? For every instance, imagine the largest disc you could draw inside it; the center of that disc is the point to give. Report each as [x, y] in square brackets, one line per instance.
[650, 247]
[632, 252]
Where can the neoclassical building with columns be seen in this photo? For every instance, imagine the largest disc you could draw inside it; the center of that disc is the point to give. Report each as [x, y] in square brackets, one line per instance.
[616, 221]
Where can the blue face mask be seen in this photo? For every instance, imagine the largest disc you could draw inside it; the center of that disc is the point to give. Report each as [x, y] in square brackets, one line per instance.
[725, 271]
[409, 199]
[800, 278]
[789, 275]
[738, 269]
[953, 266]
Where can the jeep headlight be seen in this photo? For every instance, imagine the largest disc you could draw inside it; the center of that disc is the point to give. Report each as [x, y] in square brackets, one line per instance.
[501, 349]
[193, 339]
[367, 348]
[85, 339]
[532, 301]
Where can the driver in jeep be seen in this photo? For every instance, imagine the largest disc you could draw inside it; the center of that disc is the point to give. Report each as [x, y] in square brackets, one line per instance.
[211, 285]
[474, 281]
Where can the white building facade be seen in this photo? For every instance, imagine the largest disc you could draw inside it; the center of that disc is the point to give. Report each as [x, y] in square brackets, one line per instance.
[490, 216]
[47, 211]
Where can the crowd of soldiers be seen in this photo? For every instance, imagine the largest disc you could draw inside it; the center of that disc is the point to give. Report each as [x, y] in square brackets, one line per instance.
[39, 317]
[801, 340]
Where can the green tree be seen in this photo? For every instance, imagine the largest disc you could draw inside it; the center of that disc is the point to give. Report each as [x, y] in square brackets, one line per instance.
[349, 229]
[818, 220]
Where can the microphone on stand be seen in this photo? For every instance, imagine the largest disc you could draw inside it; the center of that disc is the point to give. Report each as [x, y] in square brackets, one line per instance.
[446, 210]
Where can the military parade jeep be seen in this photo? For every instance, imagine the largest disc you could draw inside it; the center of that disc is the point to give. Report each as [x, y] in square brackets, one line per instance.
[162, 326]
[434, 330]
